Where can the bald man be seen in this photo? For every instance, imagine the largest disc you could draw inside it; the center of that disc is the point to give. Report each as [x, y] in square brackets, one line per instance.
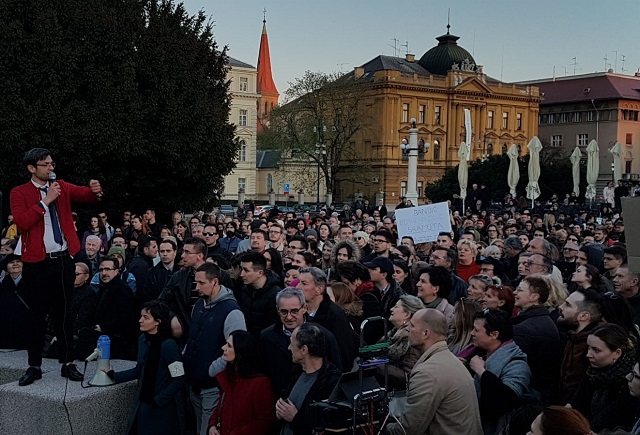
[441, 395]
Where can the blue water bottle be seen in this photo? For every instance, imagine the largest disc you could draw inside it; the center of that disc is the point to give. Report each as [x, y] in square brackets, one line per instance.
[104, 344]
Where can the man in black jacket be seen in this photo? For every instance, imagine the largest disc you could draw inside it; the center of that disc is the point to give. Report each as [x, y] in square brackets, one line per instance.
[160, 274]
[180, 293]
[537, 335]
[115, 312]
[258, 296]
[143, 261]
[321, 309]
[313, 383]
[275, 340]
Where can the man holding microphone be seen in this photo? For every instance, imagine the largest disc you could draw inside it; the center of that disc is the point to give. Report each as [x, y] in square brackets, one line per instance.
[42, 210]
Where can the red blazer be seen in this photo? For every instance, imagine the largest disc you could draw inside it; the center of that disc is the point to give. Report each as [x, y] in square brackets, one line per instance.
[248, 406]
[29, 216]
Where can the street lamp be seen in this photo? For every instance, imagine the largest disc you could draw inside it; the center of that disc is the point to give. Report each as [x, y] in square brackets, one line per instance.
[412, 149]
[321, 151]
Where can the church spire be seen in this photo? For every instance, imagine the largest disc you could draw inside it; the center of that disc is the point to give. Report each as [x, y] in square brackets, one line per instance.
[266, 84]
[266, 87]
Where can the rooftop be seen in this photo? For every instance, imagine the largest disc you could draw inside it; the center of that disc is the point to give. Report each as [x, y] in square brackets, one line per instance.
[239, 64]
[585, 87]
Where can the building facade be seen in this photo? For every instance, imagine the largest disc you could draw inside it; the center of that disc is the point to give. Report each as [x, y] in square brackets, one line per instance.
[603, 106]
[243, 179]
[435, 91]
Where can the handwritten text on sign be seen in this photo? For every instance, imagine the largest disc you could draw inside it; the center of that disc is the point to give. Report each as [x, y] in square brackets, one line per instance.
[423, 223]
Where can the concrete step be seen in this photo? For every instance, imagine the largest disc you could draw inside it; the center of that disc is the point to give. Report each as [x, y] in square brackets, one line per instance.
[39, 408]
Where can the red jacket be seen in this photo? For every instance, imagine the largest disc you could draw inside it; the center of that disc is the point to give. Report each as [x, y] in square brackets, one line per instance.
[247, 407]
[29, 216]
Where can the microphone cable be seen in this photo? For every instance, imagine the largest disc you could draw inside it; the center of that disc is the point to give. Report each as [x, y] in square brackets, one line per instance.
[69, 346]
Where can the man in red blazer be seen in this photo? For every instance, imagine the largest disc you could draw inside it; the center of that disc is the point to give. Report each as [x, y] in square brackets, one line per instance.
[42, 210]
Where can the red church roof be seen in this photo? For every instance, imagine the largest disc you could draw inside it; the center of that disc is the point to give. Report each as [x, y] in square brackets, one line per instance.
[266, 84]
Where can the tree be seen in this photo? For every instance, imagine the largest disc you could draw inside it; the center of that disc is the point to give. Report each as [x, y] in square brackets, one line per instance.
[555, 177]
[320, 118]
[132, 93]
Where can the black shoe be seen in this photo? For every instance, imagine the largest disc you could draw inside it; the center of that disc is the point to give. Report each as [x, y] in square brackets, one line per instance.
[71, 371]
[32, 374]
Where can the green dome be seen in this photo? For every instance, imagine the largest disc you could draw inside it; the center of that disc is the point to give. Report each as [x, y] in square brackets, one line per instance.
[439, 59]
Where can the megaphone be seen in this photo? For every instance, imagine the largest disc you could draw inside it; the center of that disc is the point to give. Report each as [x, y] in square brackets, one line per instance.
[102, 353]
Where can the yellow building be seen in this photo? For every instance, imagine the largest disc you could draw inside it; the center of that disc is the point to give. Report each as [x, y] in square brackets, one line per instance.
[435, 91]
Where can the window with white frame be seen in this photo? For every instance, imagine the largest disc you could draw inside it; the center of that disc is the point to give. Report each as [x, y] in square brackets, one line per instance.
[583, 139]
[269, 182]
[518, 121]
[242, 121]
[403, 188]
[242, 183]
[505, 120]
[405, 112]
[243, 151]
[244, 84]
[490, 119]
[419, 190]
[556, 140]
[421, 114]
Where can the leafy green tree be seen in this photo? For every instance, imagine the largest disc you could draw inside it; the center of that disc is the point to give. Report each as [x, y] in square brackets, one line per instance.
[320, 119]
[133, 93]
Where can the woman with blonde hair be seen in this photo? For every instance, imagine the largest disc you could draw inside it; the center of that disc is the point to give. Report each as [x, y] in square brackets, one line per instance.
[462, 324]
[466, 266]
[557, 295]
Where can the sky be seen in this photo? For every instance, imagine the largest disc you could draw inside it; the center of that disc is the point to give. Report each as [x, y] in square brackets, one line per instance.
[515, 40]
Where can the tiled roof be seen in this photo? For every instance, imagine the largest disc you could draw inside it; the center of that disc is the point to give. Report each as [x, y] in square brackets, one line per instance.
[239, 64]
[267, 159]
[597, 87]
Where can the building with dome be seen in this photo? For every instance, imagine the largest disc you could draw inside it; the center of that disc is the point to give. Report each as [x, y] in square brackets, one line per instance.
[434, 90]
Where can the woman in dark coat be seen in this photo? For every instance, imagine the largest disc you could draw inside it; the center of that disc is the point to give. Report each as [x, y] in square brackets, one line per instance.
[603, 395]
[159, 372]
[247, 403]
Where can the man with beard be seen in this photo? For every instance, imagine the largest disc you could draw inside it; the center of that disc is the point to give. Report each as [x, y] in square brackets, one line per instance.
[580, 313]
[230, 241]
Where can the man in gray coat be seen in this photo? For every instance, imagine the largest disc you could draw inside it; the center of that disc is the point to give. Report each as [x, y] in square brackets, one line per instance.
[441, 396]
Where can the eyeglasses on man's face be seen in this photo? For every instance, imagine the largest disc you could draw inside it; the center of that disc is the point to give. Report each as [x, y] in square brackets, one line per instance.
[293, 312]
[46, 165]
[106, 269]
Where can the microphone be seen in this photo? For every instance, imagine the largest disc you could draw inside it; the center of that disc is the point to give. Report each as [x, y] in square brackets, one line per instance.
[52, 177]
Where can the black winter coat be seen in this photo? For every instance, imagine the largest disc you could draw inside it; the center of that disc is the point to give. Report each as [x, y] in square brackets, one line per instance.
[538, 337]
[259, 305]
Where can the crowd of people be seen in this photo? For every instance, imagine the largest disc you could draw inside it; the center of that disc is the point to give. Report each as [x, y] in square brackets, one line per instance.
[515, 322]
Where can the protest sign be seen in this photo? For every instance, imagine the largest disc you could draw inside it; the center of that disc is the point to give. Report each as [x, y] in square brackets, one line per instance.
[423, 223]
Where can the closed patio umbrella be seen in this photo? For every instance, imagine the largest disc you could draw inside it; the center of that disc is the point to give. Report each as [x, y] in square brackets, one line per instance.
[533, 189]
[593, 169]
[514, 171]
[576, 155]
[463, 172]
[618, 152]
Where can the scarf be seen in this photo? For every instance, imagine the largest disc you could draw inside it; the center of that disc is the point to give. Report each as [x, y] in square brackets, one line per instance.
[365, 287]
[150, 366]
[613, 375]
[434, 304]
[398, 339]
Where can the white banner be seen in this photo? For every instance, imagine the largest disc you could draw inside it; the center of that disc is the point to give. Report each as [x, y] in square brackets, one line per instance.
[423, 223]
[467, 127]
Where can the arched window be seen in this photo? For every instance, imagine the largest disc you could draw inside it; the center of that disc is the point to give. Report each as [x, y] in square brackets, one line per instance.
[504, 148]
[490, 149]
[269, 182]
[519, 149]
[436, 150]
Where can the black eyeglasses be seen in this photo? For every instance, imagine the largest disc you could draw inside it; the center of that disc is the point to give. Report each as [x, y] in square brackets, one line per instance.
[293, 312]
[46, 165]
[106, 269]
[204, 233]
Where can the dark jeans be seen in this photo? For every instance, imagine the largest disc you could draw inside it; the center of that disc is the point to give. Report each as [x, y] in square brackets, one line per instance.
[49, 289]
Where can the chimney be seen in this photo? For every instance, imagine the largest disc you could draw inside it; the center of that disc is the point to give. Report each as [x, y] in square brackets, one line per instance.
[358, 72]
[410, 57]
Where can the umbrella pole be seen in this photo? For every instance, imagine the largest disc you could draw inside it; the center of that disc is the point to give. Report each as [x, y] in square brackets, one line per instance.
[464, 210]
